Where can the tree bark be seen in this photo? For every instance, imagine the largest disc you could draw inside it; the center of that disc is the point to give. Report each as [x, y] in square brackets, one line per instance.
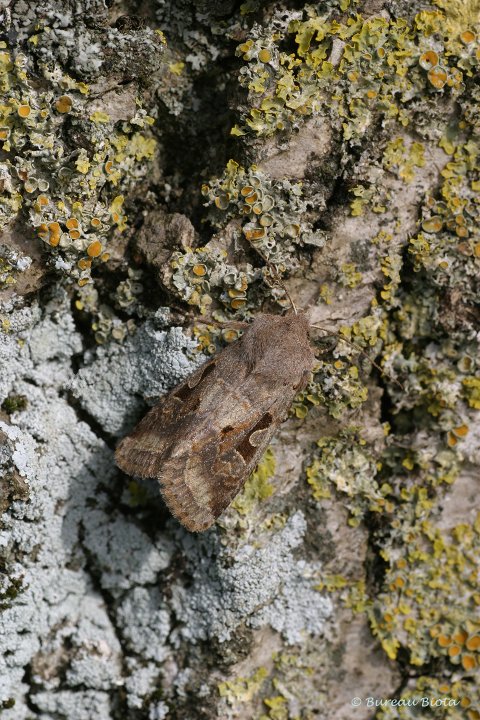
[165, 169]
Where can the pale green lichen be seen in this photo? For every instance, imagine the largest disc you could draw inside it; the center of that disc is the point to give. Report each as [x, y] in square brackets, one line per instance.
[271, 211]
[242, 690]
[269, 215]
[258, 487]
[346, 463]
[383, 65]
[430, 597]
[451, 699]
[73, 206]
[12, 264]
[201, 273]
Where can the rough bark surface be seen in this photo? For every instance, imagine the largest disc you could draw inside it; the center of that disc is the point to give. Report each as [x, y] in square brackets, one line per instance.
[156, 160]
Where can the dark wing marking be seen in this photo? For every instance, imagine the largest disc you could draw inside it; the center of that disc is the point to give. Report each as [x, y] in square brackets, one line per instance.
[198, 488]
[139, 452]
[205, 437]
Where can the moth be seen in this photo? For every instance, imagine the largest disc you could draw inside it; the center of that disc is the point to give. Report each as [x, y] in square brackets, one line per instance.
[203, 440]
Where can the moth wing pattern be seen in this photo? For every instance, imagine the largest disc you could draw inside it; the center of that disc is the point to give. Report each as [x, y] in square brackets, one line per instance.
[213, 477]
[140, 452]
[202, 441]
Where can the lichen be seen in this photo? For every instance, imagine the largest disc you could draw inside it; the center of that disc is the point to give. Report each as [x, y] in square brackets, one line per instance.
[256, 585]
[242, 690]
[387, 223]
[71, 148]
[75, 206]
[383, 65]
[257, 488]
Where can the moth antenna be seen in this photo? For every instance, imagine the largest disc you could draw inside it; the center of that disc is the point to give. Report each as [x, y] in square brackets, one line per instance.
[362, 352]
[284, 287]
[238, 324]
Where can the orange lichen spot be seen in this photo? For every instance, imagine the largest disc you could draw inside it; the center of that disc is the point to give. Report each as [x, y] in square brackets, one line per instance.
[399, 582]
[83, 281]
[473, 643]
[469, 662]
[55, 232]
[72, 223]
[254, 234]
[115, 217]
[95, 222]
[245, 47]
[428, 60]
[247, 190]
[222, 201]
[251, 199]
[64, 104]
[461, 431]
[433, 224]
[237, 303]
[24, 110]
[30, 185]
[109, 167]
[438, 77]
[264, 55]
[41, 202]
[461, 231]
[94, 249]
[451, 440]
[454, 650]
[467, 37]
[84, 263]
[230, 335]
[104, 257]
[381, 52]
[465, 702]
[233, 293]
[371, 94]
[199, 270]
[4, 133]
[74, 234]
[460, 636]
[444, 640]
[43, 231]
[473, 715]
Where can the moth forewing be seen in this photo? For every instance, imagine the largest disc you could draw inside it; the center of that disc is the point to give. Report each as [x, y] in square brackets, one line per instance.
[202, 441]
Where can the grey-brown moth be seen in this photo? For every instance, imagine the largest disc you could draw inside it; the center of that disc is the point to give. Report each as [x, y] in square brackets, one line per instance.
[203, 439]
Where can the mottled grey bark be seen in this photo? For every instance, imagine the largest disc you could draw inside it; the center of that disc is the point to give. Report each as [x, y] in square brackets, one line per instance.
[152, 157]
